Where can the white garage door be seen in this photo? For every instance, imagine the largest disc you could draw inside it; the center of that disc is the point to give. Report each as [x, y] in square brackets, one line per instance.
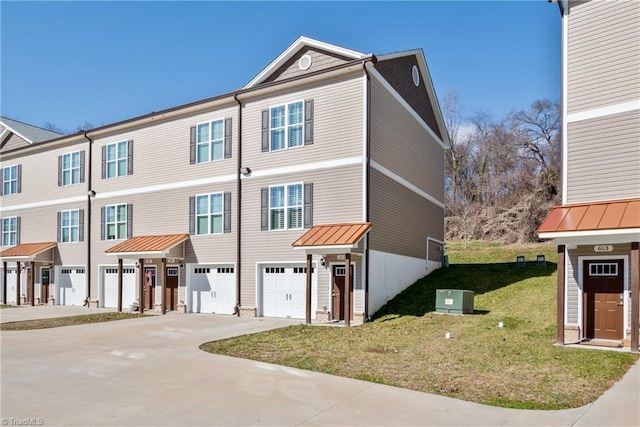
[110, 281]
[213, 289]
[71, 286]
[12, 277]
[284, 291]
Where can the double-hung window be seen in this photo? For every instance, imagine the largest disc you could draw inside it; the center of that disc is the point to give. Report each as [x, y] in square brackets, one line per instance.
[117, 159]
[210, 141]
[116, 222]
[285, 207]
[11, 180]
[70, 168]
[209, 213]
[70, 226]
[10, 231]
[287, 126]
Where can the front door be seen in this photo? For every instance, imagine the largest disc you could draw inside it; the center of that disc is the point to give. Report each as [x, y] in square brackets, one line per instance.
[29, 285]
[44, 291]
[150, 288]
[338, 292]
[603, 299]
[171, 289]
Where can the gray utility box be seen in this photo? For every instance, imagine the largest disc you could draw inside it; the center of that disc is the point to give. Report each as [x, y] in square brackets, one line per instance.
[454, 301]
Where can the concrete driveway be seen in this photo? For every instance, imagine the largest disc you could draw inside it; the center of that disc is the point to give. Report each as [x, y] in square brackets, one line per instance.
[144, 372]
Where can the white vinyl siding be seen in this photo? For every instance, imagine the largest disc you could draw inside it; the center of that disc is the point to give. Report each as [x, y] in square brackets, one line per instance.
[210, 141]
[286, 126]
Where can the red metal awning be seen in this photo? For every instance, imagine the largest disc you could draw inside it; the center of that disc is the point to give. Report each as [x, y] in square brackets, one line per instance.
[620, 214]
[147, 245]
[26, 251]
[333, 235]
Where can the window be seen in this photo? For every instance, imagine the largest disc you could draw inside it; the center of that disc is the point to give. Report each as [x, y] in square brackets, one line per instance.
[116, 222]
[603, 269]
[10, 231]
[209, 213]
[210, 141]
[11, 180]
[287, 126]
[117, 159]
[69, 168]
[285, 207]
[69, 226]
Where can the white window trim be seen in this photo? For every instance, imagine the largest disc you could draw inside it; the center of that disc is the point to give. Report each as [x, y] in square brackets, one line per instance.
[70, 226]
[286, 125]
[209, 213]
[210, 142]
[107, 161]
[116, 222]
[10, 232]
[286, 207]
[12, 177]
[71, 168]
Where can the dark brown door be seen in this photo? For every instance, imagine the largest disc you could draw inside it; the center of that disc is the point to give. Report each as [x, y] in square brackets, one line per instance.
[338, 292]
[171, 290]
[150, 288]
[603, 299]
[29, 285]
[44, 291]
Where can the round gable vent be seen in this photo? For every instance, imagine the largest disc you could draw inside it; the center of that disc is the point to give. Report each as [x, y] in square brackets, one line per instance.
[305, 62]
[416, 75]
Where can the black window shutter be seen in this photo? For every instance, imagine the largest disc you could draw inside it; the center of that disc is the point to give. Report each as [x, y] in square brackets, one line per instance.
[59, 171]
[308, 122]
[265, 130]
[17, 230]
[103, 224]
[59, 227]
[19, 178]
[104, 161]
[227, 212]
[82, 166]
[81, 225]
[129, 220]
[130, 157]
[264, 209]
[192, 145]
[308, 205]
[227, 137]
[1, 181]
[192, 215]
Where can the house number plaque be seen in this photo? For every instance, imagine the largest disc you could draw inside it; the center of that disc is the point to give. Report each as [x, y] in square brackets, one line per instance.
[603, 248]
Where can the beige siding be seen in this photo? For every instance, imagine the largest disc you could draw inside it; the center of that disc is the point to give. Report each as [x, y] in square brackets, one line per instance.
[603, 62]
[401, 144]
[161, 154]
[574, 288]
[320, 60]
[13, 142]
[604, 158]
[337, 197]
[402, 220]
[337, 127]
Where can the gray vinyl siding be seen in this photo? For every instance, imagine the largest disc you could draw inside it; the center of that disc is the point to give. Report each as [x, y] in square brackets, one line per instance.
[320, 60]
[337, 197]
[161, 153]
[401, 144]
[574, 288]
[337, 127]
[398, 73]
[604, 158]
[603, 62]
[402, 220]
[13, 142]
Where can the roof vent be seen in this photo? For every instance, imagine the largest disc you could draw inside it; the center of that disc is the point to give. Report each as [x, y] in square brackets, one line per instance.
[416, 75]
[305, 62]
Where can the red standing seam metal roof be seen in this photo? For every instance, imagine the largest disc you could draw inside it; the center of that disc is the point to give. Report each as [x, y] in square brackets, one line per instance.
[615, 215]
[27, 249]
[333, 234]
[148, 243]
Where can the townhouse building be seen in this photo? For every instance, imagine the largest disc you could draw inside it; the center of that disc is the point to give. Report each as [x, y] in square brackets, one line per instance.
[597, 227]
[317, 191]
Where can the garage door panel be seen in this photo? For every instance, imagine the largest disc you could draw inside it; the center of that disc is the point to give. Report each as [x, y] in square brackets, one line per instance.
[213, 289]
[71, 286]
[284, 291]
[110, 284]
[12, 278]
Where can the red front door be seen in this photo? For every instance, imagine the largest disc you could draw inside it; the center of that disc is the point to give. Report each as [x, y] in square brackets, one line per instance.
[603, 299]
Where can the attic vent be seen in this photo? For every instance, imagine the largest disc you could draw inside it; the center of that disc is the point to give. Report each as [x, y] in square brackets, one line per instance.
[305, 62]
[416, 75]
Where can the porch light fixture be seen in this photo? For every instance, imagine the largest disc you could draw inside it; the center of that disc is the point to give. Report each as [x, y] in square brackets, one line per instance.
[91, 193]
[245, 171]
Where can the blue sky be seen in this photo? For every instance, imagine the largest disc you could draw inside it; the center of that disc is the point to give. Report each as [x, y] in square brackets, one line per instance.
[67, 62]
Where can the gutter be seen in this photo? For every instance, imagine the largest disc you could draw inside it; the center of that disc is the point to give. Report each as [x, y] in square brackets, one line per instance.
[90, 194]
[238, 209]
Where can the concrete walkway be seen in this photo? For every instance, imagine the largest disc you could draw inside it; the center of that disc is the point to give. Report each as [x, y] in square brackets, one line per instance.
[150, 371]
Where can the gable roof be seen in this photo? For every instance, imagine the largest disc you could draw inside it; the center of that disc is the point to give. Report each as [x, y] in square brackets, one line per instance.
[299, 44]
[30, 133]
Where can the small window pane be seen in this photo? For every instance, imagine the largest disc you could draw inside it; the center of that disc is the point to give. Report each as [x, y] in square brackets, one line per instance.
[65, 161]
[75, 161]
[277, 219]
[122, 212]
[218, 130]
[277, 139]
[295, 218]
[295, 136]
[111, 152]
[74, 234]
[277, 117]
[217, 149]
[203, 153]
[202, 225]
[122, 149]
[111, 231]
[202, 205]
[75, 177]
[295, 113]
[216, 223]
[203, 132]
[277, 197]
[121, 230]
[216, 203]
[294, 195]
[111, 169]
[122, 167]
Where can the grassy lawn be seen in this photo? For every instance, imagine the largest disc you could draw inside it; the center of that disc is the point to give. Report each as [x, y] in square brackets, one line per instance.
[516, 366]
[57, 322]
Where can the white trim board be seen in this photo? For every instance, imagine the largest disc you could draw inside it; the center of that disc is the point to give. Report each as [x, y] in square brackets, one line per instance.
[400, 180]
[604, 111]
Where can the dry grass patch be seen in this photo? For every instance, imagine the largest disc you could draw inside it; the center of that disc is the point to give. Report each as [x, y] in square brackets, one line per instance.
[516, 366]
[57, 322]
